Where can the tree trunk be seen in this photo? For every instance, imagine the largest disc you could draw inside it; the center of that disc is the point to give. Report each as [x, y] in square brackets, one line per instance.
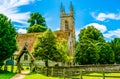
[46, 64]
[5, 67]
[18, 68]
[12, 68]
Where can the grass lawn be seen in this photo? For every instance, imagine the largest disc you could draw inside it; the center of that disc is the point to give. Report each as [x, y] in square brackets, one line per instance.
[86, 77]
[40, 76]
[6, 75]
[100, 74]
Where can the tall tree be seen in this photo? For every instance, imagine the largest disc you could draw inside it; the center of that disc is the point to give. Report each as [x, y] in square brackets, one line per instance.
[45, 47]
[36, 18]
[37, 23]
[92, 34]
[115, 44]
[7, 39]
[106, 54]
[92, 48]
[86, 53]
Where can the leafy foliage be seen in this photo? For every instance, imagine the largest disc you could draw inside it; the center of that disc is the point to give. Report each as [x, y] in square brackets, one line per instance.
[36, 18]
[62, 47]
[45, 47]
[106, 53]
[92, 48]
[36, 28]
[37, 23]
[92, 34]
[115, 44]
[7, 39]
[86, 53]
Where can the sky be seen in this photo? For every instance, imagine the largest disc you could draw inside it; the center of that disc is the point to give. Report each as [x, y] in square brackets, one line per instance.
[102, 14]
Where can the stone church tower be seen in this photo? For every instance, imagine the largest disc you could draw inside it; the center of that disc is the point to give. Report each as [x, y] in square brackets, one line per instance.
[67, 25]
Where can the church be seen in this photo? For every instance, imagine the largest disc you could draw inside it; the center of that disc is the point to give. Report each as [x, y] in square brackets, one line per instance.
[67, 31]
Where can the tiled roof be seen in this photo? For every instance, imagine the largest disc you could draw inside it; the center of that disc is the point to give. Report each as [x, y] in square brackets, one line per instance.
[30, 38]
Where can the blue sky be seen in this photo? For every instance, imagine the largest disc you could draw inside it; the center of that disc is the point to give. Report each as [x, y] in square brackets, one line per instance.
[103, 14]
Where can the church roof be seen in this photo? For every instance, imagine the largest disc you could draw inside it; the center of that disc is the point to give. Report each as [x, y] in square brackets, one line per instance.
[30, 38]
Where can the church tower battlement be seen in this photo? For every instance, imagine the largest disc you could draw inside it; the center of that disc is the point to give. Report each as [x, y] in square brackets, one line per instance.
[67, 20]
[67, 24]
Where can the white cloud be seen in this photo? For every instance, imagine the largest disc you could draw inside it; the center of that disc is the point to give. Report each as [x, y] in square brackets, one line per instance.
[21, 31]
[77, 31]
[58, 28]
[104, 16]
[10, 9]
[100, 27]
[110, 34]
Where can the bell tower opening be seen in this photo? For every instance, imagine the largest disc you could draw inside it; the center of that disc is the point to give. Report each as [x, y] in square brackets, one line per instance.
[66, 25]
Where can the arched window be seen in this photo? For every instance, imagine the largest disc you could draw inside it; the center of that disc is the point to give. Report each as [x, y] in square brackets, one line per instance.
[25, 57]
[66, 25]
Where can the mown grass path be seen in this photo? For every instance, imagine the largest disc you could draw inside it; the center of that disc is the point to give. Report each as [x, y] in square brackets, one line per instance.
[21, 75]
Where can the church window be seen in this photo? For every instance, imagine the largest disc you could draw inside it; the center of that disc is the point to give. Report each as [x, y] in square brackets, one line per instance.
[66, 25]
[25, 57]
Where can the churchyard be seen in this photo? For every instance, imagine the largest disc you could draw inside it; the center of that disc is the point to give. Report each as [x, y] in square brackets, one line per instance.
[45, 54]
